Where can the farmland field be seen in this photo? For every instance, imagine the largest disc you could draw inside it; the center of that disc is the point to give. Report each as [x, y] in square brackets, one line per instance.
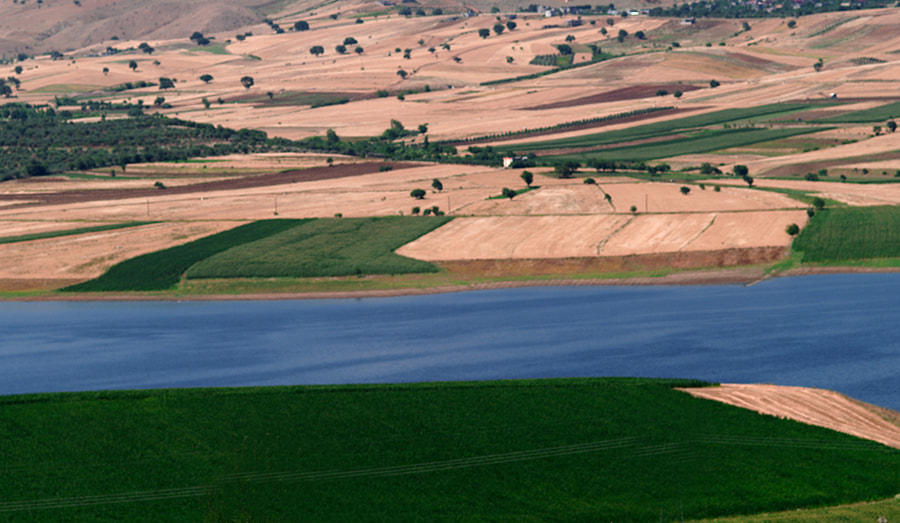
[851, 233]
[659, 129]
[325, 247]
[706, 141]
[590, 449]
[875, 115]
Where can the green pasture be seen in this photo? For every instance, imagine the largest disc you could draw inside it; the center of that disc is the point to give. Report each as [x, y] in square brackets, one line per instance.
[849, 234]
[69, 232]
[702, 142]
[162, 270]
[658, 129]
[325, 247]
[537, 450]
[878, 114]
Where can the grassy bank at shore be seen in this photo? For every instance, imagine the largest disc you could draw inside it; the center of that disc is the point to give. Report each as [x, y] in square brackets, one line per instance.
[609, 449]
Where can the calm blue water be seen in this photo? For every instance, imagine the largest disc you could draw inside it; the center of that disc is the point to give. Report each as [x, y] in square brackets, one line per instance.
[837, 332]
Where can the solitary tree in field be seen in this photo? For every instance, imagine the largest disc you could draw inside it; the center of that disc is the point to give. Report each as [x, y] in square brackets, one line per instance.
[891, 125]
[166, 83]
[511, 25]
[159, 101]
[590, 181]
[18, 69]
[713, 84]
[402, 74]
[527, 177]
[566, 168]
[247, 82]
[685, 190]
[498, 28]
[818, 65]
[341, 48]
[484, 33]
[748, 180]
[301, 26]
[415, 211]
[418, 194]
[564, 49]
[437, 185]
[207, 78]
[105, 71]
[740, 170]
[509, 193]
[792, 229]
[145, 47]
[316, 50]
[359, 50]
[678, 94]
[133, 65]
[818, 203]
[792, 24]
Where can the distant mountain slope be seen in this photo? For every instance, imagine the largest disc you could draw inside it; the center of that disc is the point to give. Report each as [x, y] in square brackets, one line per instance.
[63, 25]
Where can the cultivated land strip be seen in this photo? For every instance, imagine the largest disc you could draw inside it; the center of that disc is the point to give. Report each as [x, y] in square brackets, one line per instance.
[818, 407]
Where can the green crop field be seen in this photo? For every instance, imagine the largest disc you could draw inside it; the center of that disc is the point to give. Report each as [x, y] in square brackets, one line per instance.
[703, 142]
[658, 129]
[878, 114]
[540, 450]
[325, 247]
[847, 234]
[162, 270]
[70, 232]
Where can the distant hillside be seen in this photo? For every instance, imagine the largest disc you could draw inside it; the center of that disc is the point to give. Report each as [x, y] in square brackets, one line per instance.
[36, 26]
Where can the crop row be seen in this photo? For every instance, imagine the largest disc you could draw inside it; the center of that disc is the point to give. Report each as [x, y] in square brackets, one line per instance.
[702, 142]
[876, 114]
[844, 234]
[658, 129]
[325, 247]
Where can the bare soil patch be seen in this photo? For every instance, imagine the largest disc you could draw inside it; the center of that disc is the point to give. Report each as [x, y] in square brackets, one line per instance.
[818, 407]
[625, 264]
[625, 93]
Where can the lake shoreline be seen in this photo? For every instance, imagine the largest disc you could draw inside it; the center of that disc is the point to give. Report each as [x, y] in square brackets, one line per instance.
[726, 276]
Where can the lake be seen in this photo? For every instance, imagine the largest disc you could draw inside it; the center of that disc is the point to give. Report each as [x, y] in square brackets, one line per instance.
[836, 332]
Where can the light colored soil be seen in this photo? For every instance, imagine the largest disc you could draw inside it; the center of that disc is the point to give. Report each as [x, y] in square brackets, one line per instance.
[87, 256]
[818, 407]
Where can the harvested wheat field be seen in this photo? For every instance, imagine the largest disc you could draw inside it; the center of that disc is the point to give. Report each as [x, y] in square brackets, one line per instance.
[823, 408]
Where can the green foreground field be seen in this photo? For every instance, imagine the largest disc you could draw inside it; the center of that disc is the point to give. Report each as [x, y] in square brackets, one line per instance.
[537, 450]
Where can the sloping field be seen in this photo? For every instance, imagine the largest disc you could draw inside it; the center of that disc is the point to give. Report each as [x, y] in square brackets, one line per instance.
[667, 198]
[823, 408]
[520, 237]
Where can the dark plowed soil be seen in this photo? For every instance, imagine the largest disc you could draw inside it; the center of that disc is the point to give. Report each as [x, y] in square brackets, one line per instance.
[263, 180]
[626, 93]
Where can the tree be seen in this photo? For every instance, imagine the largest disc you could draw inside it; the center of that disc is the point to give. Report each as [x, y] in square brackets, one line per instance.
[350, 40]
[661, 92]
[247, 82]
[133, 65]
[749, 180]
[145, 47]
[876, 129]
[818, 65]
[402, 74]
[590, 181]
[622, 35]
[685, 190]
[437, 185]
[105, 71]
[740, 170]
[891, 125]
[206, 102]
[418, 194]
[301, 25]
[415, 211]
[634, 209]
[423, 128]
[818, 203]
[437, 11]
[509, 193]
[640, 35]
[359, 50]
[499, 28]
[564, 49]
[527, 177]
[36, 169]
[570, 38]
[511, 25]
[510, 59]
[331, 137]
[484, 33]
[166, 83]
[792, 24]
[566, 169]
[792, 229]
[207, 78]
[745, 26]
[18, 69]
[610, 22]
[341, 49]
[316, 50]
[678, 94]
[713, 84]
[159, 101]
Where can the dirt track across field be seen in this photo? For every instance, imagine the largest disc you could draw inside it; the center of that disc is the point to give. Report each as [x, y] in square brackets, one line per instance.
[818, 407]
